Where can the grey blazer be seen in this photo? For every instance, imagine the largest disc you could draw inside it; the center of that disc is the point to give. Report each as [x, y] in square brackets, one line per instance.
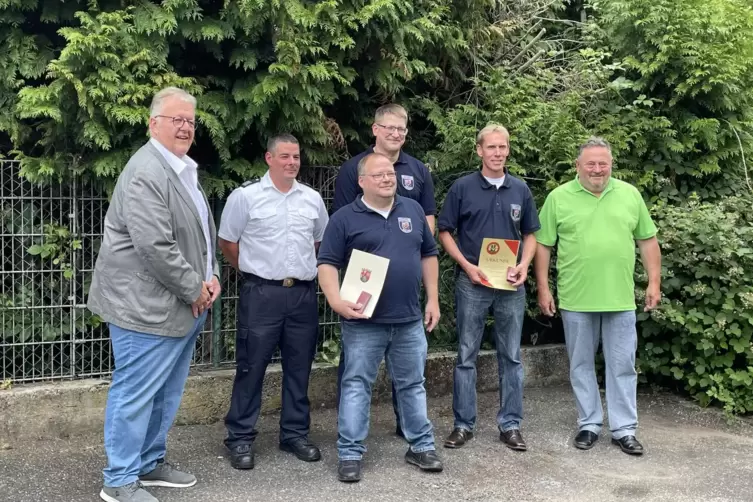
[152, 260]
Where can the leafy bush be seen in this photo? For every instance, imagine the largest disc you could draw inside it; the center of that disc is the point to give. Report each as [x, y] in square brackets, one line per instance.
[76, 77]
[692, 63]
[701, 336]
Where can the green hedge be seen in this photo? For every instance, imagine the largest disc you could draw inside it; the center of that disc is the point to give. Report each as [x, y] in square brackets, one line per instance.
[701, 336]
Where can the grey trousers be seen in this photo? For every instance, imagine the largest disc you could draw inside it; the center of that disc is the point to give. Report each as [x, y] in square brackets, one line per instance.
[619, 337]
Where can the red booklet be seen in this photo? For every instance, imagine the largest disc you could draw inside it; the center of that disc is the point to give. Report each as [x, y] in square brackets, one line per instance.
[363, 300]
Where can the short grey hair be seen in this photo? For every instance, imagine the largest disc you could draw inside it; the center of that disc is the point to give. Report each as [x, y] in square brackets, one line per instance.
[280, 138]
[595, 142]
[365, 160]
[159, 99]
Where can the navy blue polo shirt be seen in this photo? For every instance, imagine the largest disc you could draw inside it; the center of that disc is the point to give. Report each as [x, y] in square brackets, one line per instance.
[475, 209]
[413, 181]
[403, 237]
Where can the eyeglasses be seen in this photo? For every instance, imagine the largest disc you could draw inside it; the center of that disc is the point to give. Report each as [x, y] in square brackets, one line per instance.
[180, 121]
[594, 165]
[402, 131]
[381, 176]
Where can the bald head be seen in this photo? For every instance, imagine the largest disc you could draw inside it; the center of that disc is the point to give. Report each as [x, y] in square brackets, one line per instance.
[376, 176]
[368, 161]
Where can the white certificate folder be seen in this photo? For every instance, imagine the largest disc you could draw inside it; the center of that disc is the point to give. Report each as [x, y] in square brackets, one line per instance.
[364, 279]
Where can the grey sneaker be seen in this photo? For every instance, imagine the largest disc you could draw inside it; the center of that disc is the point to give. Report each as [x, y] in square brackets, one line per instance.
[167, 475]
[132, 492]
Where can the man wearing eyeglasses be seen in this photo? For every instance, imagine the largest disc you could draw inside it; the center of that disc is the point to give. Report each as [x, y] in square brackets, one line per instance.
[270, 231]
[414, 181]
[596, 222]
[155, 277]
[393, 227]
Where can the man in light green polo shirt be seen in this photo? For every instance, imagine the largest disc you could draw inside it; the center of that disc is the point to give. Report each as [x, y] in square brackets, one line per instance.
[596, 221]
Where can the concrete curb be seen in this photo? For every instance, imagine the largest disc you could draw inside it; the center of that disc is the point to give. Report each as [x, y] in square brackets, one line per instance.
[67, 409]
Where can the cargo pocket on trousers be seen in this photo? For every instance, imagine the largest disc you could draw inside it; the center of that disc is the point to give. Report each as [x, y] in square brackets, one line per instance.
[241, 356]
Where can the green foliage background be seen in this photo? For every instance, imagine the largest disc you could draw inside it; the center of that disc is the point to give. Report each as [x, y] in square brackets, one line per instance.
[669, 83]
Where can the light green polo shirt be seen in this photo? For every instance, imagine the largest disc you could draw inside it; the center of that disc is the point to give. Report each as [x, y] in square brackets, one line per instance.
[596, 249]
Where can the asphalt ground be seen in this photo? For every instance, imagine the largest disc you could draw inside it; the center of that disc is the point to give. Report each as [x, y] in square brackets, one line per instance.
[692, 454]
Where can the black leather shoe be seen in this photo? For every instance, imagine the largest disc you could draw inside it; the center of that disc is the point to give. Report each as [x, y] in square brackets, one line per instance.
[242, 456]
[629, 445]
[302, 449]
[513, 440]
[349, 471]
[426, 460]
[585, 440]
[458, 438]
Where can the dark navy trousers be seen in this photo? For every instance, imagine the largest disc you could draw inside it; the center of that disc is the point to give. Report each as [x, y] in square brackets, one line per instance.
[271, 315]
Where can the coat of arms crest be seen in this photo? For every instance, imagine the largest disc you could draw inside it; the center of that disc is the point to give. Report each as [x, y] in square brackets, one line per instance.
[365, 275]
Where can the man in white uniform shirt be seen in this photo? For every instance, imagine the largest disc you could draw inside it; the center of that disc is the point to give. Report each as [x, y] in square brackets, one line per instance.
[270, 231]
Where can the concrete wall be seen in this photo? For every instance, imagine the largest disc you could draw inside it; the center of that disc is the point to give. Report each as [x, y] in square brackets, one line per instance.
[65, 409]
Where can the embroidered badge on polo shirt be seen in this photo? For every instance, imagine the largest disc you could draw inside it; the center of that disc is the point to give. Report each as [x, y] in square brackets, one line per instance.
[406, 225]
[515, 212]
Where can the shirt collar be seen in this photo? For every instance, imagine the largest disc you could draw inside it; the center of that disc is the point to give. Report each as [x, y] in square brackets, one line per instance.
[486, 185]
[360, 207]
[177, 163]
[401, 158]
[577, 187]
[266, 182]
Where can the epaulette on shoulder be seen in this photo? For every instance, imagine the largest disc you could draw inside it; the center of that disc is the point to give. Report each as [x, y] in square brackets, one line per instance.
[248, 183]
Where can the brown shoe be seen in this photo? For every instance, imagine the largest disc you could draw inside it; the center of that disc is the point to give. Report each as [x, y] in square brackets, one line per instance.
[513, 440]
[458, 438]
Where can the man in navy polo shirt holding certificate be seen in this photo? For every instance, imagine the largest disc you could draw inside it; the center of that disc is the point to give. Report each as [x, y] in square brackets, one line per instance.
[389, 226]
[390, 128]
[490, 204]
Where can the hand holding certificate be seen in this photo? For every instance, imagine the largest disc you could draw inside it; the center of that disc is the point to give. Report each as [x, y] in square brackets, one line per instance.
[364, 280]
[497, 261]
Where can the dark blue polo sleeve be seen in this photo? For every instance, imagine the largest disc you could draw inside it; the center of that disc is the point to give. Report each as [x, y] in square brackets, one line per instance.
[448, 217]
[346, 185]
[428, 244]
[333, 247]
[530, 222]
[428, 202]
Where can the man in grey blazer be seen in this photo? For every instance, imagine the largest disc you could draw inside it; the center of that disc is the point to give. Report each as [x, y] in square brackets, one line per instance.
[155, 277]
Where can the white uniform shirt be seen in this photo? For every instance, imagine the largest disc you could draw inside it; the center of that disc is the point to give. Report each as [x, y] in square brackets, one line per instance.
[185, 168]
[276, 231]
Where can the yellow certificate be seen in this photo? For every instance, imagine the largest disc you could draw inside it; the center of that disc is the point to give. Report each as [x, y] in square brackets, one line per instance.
[496, 258]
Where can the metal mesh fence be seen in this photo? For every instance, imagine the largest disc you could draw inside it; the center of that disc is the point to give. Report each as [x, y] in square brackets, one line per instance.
[50, 237]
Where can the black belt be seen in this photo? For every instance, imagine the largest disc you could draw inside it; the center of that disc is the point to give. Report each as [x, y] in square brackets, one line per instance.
[288, 282]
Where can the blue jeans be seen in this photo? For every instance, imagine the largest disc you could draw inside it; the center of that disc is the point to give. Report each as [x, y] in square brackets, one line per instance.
[620, 340]
[341, 370]
[144, 397]
[472, 303]
[404, 347]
